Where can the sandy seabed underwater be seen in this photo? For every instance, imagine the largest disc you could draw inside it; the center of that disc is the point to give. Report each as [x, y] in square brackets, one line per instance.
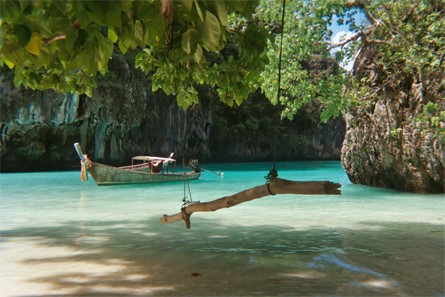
[64, 237]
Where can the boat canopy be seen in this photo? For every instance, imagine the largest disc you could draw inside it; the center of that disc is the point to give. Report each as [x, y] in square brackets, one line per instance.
[152, 158]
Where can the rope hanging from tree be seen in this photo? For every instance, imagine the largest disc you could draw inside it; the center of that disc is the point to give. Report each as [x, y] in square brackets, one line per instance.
[273, 173]
[274, 185]
[185, 200]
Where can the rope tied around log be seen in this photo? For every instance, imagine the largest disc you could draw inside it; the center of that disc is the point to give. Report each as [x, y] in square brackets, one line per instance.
[277, 186]
[186, 218]
[273, 173]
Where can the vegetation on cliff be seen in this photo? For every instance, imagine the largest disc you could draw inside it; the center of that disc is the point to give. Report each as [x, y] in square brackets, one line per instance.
[396, 136]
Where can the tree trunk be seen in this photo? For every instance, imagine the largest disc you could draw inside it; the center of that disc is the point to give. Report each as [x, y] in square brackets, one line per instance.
[275, 186]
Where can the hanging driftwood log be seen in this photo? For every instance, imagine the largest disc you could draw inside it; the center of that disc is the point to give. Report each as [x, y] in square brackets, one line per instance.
[275, 186]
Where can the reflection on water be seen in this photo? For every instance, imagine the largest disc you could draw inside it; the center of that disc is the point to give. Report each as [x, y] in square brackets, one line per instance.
[61, 237]
[324, 260]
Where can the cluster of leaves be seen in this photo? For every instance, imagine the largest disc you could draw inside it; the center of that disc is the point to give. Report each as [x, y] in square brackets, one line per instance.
[198, 52]
[230, 45]
[60, 45]
[410, 43]
[432, 118]
[63, 45]
[306, 36]
[410, 35]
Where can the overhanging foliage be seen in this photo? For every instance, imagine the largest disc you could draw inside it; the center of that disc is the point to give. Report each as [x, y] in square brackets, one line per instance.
[229, 45]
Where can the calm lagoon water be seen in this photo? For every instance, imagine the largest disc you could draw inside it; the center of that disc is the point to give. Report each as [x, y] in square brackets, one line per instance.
[64, 237]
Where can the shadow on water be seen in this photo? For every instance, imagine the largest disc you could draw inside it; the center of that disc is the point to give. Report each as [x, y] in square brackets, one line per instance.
[146, 258]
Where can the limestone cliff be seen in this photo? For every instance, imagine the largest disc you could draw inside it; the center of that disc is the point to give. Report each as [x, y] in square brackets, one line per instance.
[391, 140]
[249, 132]
[124, 118]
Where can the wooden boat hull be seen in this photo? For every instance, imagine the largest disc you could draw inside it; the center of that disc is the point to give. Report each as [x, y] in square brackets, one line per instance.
[105, 175]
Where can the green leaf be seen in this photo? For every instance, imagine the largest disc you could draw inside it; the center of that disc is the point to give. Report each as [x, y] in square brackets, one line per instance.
[24, 4]
[23, 34]
[113, 15]
[34, 44]
[210, 33]
[82, 37]
[112, 34]
[187, 4]
[239, 100]
[156, 32]
[83, 18]
[14, 53]
[198, 55]
[189, 41]
[138, 32]
[89, 92]
[147, 12]
[36, 24]
[198, 10]
[8, 63]
[237, 5]
[18, 79]
[221, 12]
[185, 42]
[97, 11]
[10, 11]
[85, 60]
[105, 52]
[122, 47]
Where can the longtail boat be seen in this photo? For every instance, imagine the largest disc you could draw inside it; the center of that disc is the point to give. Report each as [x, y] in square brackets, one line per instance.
[143, 169]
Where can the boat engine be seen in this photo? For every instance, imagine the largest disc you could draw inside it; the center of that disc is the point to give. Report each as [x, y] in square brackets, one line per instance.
[194, 164]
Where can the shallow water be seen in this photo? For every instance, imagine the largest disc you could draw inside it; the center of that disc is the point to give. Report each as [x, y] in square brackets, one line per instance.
[63, 237]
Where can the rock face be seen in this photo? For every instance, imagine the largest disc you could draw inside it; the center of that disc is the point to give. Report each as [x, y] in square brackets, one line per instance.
[385, 143]
[251, 131]
[124, 118]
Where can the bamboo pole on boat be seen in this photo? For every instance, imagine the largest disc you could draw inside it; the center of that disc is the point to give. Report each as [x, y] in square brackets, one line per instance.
[219, 173]
[275, 186]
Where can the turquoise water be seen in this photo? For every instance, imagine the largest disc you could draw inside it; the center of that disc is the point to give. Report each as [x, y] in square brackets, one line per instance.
[64, 237]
